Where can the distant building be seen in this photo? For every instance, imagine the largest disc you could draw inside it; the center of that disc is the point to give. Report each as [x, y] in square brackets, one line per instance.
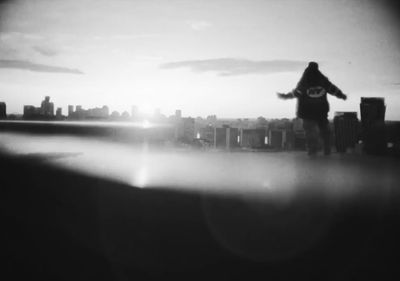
[97, 113]
[47, 107]
[70, 110]
[207, 133]
[178, 114]
[220, 138]
[277, 138]
[91, 113]
[252, 138]
[232, 138]
[188, 129]
[185, 130]
[59, 113]
[31, 112]
[44, 112]
[3, 110]
[226, 137]
[286, 134]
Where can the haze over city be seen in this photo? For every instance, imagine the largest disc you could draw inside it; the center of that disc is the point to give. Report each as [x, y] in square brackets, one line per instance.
[227, 58]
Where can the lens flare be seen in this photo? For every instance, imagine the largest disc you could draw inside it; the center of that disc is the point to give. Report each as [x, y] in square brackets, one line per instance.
[141, 178]
[145, 124]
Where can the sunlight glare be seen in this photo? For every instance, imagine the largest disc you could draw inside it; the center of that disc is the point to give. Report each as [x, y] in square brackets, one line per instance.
[141, 178]
[145, 124]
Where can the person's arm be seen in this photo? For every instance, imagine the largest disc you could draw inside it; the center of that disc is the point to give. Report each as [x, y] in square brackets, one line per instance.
[333, 90]
[291, 95]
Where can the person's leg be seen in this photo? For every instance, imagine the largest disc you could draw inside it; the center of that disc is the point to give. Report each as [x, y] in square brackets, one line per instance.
[325, 134]
[310, 128]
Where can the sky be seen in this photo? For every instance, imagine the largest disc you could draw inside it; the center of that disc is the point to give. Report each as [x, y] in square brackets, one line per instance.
[221, 57]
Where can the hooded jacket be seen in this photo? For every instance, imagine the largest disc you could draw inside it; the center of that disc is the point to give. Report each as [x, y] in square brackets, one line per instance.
[311, 93]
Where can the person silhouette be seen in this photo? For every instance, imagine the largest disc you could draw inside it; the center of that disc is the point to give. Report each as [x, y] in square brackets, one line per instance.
[313, 107]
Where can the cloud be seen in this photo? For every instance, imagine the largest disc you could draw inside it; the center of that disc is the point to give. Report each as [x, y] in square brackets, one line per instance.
[125, 36]
[45, 51]
[199, 25]
[233, 66]
[7, 51]
[27, 65]
[13, 36]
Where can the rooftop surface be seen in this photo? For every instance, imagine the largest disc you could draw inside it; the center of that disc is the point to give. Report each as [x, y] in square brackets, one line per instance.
[112, 211]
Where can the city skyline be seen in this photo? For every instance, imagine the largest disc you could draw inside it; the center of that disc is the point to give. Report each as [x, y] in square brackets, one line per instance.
[50, 109]
[227, 58]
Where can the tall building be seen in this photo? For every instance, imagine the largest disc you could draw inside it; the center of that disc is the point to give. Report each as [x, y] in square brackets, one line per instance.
[232, 137]
[185, 130]
[226, 137]
[188, 129]
[47, 107]
[178, 114]
[44, 112]
[220, 137]
[70, 110]
[373, 124]
[207, 133]
[59, 113]
[3, 110]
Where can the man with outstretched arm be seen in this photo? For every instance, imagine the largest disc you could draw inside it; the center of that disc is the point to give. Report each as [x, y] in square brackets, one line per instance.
[313, 107]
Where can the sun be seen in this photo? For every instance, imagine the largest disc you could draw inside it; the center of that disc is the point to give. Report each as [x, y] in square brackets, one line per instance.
[145, 124]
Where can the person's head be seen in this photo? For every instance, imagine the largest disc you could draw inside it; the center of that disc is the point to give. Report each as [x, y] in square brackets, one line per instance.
[312, 75]
[312, 65]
